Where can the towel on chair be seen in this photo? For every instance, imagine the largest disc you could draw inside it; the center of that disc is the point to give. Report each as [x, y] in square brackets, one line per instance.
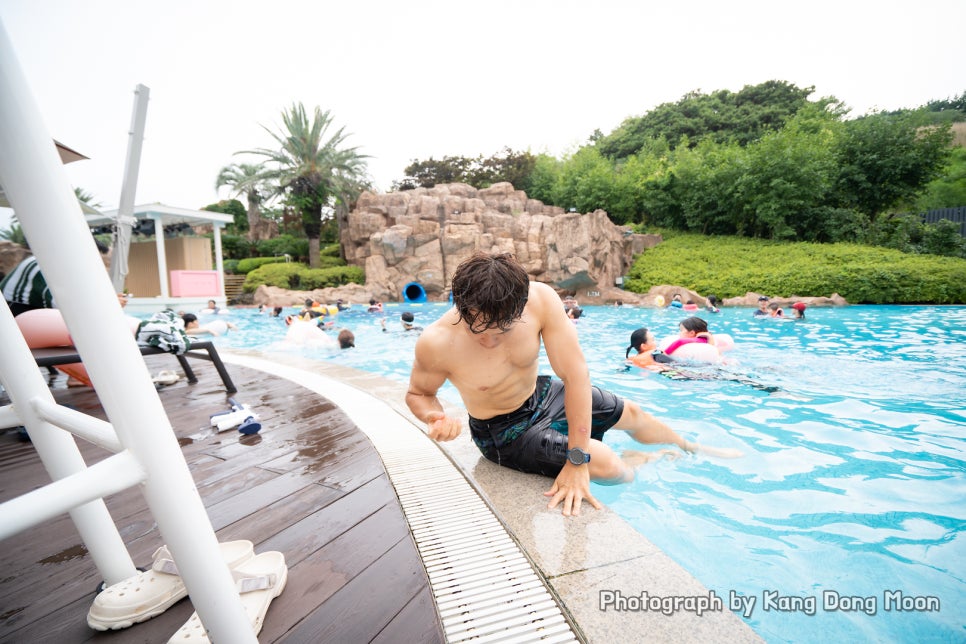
[163, 330]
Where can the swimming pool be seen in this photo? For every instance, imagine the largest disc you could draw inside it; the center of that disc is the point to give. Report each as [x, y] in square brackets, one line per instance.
[844, 521]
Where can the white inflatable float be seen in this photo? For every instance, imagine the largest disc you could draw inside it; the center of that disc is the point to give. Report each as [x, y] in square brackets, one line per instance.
[308, 334]
[699, 351]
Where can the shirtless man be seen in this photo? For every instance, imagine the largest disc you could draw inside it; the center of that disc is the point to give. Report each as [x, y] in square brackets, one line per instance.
[487, 345]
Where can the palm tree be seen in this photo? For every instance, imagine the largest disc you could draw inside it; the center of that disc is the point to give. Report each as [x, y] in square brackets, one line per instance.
[249, 180]
[312, 168]
[85, 197]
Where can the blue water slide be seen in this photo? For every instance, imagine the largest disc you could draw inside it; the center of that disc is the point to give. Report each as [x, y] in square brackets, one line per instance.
[414, 293]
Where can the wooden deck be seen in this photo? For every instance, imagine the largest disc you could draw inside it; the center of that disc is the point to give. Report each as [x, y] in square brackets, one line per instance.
[310, 485]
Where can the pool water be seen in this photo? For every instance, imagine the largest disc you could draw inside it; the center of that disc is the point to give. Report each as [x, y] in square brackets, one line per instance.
[845, 518]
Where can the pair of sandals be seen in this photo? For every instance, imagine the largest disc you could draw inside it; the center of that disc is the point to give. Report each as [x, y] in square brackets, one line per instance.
[260, 578]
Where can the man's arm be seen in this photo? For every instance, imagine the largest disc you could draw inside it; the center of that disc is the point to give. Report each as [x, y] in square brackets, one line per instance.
[424, 382]
[572, 485]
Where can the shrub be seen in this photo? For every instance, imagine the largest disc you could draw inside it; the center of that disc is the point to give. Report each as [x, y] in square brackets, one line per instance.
[295, 276]
[733, 266]
[327, 261]
[314, 278]
[283, 275]
[246, 266]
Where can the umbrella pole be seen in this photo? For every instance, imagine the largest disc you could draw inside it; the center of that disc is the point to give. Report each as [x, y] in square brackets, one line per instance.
[125, 210]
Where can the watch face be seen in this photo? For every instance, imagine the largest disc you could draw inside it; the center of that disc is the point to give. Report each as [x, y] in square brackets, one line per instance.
[577, 456]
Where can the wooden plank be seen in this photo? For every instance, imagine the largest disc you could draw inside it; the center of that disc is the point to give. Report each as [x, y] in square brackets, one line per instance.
[314, 579]
[368, 603]
[418, 621]
[309, 485]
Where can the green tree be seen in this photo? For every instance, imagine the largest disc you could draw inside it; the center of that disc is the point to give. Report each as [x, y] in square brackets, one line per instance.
[249, 180]
[788, 175]
[428, 173]
[720, 116]
[312, 167]
[886, 159]
[544, 179]
[479, 172]
[585, 182]
[506, 165]
[949, 190]
[86, 197]
[234, 208]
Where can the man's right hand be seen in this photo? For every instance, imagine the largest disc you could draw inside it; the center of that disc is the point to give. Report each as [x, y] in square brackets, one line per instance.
[443, 427]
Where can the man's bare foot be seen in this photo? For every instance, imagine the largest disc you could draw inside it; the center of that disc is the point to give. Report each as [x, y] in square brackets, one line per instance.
[708, 450]
[635, 458]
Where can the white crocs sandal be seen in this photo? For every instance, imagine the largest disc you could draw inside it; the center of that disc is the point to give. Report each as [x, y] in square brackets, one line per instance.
[153, 591]
[260, 580]
[166, 378]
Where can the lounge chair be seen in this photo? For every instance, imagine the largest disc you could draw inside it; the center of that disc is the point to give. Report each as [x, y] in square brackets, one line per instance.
[51, 357]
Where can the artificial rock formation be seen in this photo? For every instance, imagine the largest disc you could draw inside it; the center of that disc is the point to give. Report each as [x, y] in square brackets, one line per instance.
[422, 235]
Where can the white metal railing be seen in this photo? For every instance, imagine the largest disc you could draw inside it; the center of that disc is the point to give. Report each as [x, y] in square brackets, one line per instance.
[37, 187]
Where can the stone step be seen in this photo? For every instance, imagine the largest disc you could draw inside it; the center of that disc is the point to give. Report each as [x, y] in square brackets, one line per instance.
[233, 286]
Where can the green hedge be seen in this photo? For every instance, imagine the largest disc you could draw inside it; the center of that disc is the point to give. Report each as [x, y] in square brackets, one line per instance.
[246, 266]
[733, 266]
[299, 277]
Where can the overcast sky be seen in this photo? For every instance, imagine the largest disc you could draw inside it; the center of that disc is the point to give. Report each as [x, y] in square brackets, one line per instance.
[419, 79]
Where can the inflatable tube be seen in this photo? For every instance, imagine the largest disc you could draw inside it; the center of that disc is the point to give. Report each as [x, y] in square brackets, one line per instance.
[215, 327]
[723, 342]
[659, 301]
[326, 309]
[690, 307]
[693, 351]
[414, 293]
[309, 335]
[44, 328]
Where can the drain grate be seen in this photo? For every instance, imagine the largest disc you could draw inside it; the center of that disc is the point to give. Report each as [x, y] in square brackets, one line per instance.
[486, 590]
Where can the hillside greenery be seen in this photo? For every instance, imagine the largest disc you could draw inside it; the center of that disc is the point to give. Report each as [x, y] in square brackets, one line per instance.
[764, 162]
[730, 266]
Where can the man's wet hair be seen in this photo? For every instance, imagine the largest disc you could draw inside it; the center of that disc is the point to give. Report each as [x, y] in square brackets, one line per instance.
[490, 291]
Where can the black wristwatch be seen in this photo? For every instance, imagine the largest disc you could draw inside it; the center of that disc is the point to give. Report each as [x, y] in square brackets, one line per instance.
[578, 456]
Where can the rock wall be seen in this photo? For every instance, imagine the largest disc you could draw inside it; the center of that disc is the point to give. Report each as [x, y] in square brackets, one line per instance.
[422, 235]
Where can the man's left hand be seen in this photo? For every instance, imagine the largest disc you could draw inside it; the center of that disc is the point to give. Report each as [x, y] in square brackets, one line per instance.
[572, 486]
